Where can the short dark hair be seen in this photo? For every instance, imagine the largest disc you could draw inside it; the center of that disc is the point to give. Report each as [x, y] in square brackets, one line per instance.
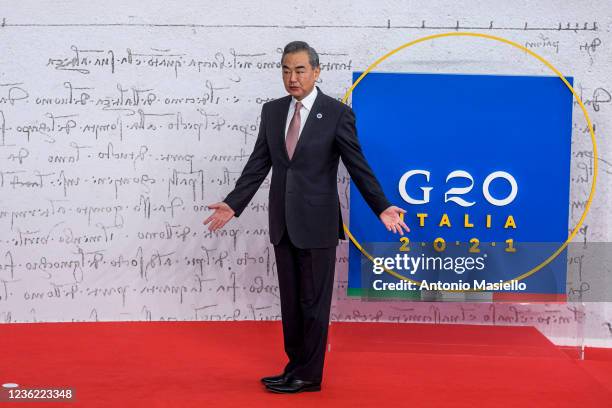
[297, 46]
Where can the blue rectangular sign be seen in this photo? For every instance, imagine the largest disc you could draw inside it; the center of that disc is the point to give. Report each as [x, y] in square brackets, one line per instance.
[481, 164]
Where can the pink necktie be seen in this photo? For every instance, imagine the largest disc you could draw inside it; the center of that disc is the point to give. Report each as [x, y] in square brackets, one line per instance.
[294, 130]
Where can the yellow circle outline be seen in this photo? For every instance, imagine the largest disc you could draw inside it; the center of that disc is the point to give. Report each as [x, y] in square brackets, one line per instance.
[556, 71]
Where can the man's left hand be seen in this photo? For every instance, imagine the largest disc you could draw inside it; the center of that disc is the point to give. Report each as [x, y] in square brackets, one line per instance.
[392, 220]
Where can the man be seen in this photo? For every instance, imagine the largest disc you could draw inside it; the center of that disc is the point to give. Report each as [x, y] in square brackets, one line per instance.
[301, 137]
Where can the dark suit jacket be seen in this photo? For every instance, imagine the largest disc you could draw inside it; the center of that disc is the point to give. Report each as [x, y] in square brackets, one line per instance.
[304, 191]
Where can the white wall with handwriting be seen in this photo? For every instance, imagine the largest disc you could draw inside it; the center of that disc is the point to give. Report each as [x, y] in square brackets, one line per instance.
[121, 121]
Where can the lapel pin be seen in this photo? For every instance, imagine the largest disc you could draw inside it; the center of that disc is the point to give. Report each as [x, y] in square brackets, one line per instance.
[319, 115]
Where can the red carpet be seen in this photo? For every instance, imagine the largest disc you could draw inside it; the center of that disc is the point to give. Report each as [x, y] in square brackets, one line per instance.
[218, 364]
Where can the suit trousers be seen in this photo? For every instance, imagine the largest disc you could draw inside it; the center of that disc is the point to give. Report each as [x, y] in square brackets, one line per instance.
[306, 283]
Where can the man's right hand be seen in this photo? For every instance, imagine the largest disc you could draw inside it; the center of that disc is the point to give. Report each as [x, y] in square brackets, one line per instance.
[223, 213]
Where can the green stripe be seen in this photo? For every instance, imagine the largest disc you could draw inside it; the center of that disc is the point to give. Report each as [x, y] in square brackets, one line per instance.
[384, 294]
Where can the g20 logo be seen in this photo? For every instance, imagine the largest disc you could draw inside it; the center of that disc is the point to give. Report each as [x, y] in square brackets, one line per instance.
[454, 194]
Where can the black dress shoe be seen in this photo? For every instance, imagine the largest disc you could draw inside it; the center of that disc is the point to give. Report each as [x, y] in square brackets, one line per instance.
[276, 379]
[294, 385]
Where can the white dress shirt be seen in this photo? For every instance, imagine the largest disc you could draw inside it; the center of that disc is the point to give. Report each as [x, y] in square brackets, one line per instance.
[304, 111]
